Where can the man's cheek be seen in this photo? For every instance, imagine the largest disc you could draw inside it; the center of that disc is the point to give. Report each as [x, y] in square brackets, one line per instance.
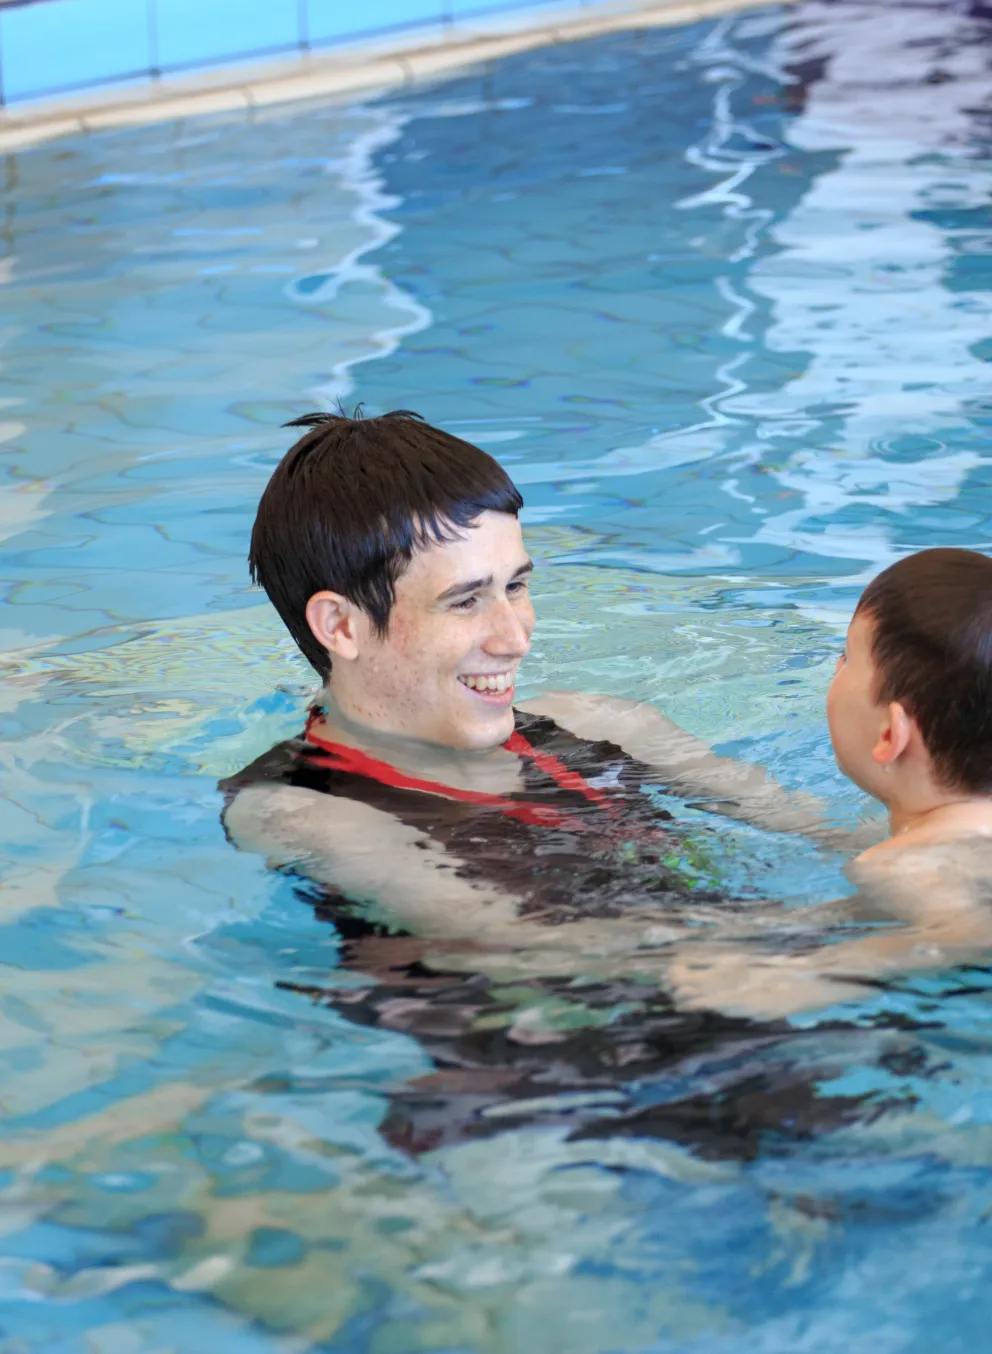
[400, 643]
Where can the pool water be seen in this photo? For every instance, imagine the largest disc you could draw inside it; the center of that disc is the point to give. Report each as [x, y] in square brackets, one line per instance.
[719, 298]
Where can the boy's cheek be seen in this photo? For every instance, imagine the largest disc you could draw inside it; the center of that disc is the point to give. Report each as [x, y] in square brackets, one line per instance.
[833, 702]
[840, 729]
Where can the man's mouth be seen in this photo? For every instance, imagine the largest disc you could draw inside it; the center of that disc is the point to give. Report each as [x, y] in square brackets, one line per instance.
[494, 686]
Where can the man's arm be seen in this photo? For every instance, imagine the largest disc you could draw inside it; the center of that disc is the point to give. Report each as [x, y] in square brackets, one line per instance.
[403, 878]
[389, 869]
[400, 877]
[691, 769]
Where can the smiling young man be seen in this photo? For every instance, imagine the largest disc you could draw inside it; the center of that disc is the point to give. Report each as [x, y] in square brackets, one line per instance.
[420, 791]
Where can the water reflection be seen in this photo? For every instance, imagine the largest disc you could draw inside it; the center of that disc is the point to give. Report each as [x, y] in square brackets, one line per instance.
[599, 1059]
[865, 281]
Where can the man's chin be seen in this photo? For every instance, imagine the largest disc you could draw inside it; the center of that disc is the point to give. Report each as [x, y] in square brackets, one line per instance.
[481, 719]
[483, 733]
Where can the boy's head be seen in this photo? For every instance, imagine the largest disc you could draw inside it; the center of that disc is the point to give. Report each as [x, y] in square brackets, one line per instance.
[392, 552]
[915, 681]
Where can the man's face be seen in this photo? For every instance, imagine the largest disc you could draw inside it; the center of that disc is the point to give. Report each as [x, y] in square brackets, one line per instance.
[444, 672]
[854, 716]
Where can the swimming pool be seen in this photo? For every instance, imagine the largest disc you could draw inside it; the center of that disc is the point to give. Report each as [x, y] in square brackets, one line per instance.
[719, 298]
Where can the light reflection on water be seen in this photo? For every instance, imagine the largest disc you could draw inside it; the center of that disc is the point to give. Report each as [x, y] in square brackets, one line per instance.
[718, 298]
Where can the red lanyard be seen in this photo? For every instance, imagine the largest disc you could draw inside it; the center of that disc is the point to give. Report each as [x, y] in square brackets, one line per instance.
[358, 763]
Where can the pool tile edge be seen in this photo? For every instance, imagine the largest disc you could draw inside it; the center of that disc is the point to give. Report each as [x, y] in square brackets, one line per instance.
[338, 74]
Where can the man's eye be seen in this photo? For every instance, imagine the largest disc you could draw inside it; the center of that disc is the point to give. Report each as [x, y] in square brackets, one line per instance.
[518, 586]
[466, 604]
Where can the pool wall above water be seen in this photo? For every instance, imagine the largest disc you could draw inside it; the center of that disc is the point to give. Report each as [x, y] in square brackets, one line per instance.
[70, 66]
[50, 47]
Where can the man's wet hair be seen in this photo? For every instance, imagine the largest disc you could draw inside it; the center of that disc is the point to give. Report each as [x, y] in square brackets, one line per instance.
[350, 503]
[932, 647]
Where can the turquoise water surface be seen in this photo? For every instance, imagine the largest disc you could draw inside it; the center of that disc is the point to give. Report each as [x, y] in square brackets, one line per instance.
[719, 298]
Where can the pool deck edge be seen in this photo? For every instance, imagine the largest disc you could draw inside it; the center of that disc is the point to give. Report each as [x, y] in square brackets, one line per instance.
[343, 72]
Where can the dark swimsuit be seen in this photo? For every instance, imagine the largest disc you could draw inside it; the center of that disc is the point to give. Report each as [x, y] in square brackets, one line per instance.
[582, 838]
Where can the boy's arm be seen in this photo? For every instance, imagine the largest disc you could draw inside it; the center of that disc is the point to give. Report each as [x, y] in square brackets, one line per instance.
[934, 901]
[691, 769]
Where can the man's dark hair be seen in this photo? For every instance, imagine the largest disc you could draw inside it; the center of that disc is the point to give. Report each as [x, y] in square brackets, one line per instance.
[348, 505]
[932, 646]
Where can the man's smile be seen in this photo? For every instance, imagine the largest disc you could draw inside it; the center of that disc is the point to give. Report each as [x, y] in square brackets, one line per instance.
[495, 688]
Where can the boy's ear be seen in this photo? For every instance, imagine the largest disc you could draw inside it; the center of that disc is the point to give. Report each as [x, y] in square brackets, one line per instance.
[894, 737]
[333, 622]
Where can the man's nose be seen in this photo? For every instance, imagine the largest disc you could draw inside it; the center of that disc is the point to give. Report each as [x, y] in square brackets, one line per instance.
[509, 634]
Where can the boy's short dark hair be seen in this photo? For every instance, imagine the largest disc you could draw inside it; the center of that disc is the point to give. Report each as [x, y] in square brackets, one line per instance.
[932, 645]
[352, 500]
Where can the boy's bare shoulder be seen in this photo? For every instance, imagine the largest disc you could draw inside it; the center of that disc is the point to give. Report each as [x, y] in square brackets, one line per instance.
[926, 881]
[915, 855]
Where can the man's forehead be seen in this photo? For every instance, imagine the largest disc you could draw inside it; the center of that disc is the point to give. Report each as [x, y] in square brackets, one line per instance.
[490, 547]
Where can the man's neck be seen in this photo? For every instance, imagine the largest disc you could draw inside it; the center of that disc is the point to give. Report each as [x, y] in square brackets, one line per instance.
[458, 767]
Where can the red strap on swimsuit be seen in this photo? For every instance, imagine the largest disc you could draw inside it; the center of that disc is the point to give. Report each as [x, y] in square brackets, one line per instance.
[557, 770]
[343, 758]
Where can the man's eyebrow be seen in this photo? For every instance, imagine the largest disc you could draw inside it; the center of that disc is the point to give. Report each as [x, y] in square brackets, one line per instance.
[477, 584]
[457, 589]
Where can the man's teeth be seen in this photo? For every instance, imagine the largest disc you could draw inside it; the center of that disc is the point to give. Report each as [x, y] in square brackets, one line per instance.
[499, 682]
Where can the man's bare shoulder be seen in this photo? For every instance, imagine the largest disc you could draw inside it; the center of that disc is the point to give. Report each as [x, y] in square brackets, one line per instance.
[575, 701]
[273, 819]
[592, 715]
[369, 856]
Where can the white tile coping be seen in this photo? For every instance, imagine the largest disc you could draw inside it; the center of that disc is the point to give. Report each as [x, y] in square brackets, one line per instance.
[401, 60]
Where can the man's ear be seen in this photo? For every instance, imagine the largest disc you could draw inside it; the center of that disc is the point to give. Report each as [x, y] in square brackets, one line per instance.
[334, 623]
[894, 737]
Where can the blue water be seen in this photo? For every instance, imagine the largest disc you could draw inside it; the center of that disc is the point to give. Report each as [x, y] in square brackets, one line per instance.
[718, 296]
